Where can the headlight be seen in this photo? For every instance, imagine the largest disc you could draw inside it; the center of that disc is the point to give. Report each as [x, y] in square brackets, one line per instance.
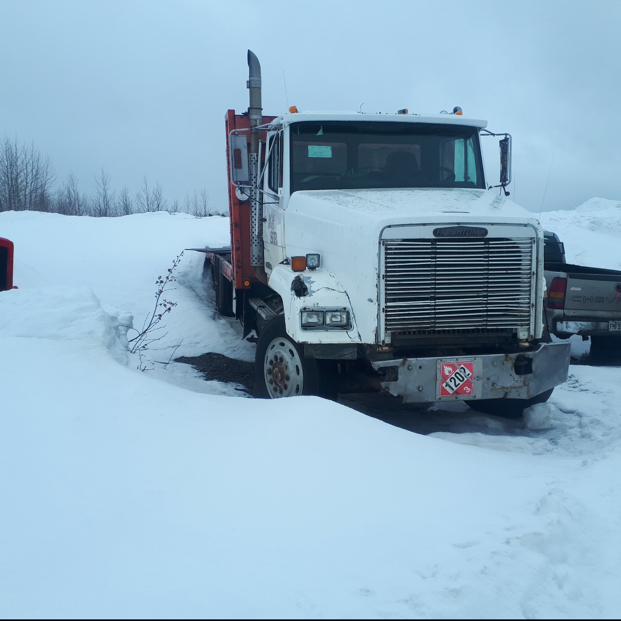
[312, 319]
[325, 319]
[338, 319]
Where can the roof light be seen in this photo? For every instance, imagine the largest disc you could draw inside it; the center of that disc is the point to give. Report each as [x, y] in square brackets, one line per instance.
[403, 111]
[313, 261]
[457, 110]
[298, 264]
[293, 109]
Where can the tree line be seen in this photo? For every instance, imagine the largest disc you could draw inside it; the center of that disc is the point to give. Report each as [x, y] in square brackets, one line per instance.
[28, 183]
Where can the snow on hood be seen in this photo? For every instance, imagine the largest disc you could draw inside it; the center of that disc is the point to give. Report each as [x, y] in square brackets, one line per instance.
[396, 205]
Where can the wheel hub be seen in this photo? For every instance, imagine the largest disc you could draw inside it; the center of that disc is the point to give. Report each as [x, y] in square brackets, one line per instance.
[283, 369]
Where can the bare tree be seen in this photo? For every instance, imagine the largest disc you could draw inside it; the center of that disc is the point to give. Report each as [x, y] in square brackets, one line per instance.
[198, 204]
[26, 177]
[158, 200]
[149, 200]
[125, 203]
[104, 202]
[68, 200]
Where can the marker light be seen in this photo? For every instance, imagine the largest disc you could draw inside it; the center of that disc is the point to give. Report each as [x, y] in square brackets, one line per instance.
[558, 289]
[457, 110]
[293, 109]
[403, 111]
[237, 159]
[298, 264]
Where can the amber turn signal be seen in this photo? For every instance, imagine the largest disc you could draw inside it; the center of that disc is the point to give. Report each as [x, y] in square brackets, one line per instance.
[298, 264]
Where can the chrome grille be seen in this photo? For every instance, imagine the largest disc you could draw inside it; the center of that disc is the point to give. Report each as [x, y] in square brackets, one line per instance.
[457, 284]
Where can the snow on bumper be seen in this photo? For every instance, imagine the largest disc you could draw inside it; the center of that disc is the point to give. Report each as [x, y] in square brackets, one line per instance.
[496, 376]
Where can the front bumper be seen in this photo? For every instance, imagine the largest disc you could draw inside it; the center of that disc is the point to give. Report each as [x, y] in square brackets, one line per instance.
[495, 375]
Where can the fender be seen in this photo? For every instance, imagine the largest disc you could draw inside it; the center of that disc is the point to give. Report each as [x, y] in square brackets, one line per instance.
[308, 289]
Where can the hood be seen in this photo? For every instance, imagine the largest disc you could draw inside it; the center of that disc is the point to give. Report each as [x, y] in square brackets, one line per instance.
[330, 220]
[409, 205]
[345, 226]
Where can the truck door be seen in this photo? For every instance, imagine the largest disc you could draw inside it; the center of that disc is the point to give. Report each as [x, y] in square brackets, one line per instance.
[273, 221]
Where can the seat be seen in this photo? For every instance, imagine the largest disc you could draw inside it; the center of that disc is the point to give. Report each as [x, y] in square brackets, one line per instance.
[401, 168]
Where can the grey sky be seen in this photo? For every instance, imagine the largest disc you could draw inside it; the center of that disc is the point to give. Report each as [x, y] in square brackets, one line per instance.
[140, 87]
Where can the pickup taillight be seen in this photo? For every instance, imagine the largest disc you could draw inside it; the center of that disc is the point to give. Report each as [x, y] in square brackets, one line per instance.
[558, 289]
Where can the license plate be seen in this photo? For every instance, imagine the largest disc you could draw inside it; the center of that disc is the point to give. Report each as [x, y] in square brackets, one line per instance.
[456, 378]
[614, 326]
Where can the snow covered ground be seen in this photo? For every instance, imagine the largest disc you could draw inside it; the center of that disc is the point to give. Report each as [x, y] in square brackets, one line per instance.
[157, 494]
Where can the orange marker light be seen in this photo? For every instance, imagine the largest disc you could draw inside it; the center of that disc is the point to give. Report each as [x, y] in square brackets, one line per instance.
[246, 283]
[457, 110]
[298, 264]
[293, 109]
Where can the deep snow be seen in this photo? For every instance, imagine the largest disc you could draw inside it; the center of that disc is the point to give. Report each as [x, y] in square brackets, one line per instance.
[157, 494]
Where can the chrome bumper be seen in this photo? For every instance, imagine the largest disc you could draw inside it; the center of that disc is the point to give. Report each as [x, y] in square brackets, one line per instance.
[495, 375]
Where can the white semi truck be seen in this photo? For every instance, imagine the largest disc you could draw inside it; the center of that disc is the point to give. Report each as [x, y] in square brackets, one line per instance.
[369, 252]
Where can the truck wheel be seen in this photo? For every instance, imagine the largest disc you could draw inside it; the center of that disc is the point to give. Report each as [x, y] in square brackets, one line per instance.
[283, 371]
[508, 408]
[606, 349]
[223, 289]
[224, 295]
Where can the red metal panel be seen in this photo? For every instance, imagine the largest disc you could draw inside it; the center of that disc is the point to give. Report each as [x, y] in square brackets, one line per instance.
[6, 264]
[240, 210]
[225, 266]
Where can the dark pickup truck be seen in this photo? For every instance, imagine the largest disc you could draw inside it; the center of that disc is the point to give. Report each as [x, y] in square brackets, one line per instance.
[582, 300]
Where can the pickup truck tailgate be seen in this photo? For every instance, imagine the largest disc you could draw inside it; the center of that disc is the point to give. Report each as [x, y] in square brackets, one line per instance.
[591, 291]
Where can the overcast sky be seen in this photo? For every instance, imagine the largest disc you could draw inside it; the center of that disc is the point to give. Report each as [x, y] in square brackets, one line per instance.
[140, 87]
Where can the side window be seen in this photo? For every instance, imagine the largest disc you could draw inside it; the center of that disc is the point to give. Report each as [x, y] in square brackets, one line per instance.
[460, 160]
[458, 156]
[275, 167]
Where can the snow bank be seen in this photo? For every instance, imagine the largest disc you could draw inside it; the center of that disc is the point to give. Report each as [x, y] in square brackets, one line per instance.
[66, 313]
[539, 416]
[130, 494]
[591, 232]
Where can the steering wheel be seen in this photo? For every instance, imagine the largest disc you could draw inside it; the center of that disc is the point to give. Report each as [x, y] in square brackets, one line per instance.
[441, 169]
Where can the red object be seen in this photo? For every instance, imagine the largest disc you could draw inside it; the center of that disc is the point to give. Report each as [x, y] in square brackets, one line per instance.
[456, 378]
[558, 289]
[6, 264]
[239, 211]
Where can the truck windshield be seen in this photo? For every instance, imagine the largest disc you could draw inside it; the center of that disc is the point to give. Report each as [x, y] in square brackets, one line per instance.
[366, 154]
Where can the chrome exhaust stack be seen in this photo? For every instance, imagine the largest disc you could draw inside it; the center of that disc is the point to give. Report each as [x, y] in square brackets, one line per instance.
[255, 113]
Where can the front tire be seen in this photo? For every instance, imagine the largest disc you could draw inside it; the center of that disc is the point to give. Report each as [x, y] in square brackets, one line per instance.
[283, 371]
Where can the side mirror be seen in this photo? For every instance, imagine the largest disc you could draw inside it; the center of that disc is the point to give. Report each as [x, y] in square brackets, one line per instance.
[505, 160]
[238, 147]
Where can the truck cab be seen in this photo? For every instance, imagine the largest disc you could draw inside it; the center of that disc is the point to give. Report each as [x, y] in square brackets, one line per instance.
[369, 252]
